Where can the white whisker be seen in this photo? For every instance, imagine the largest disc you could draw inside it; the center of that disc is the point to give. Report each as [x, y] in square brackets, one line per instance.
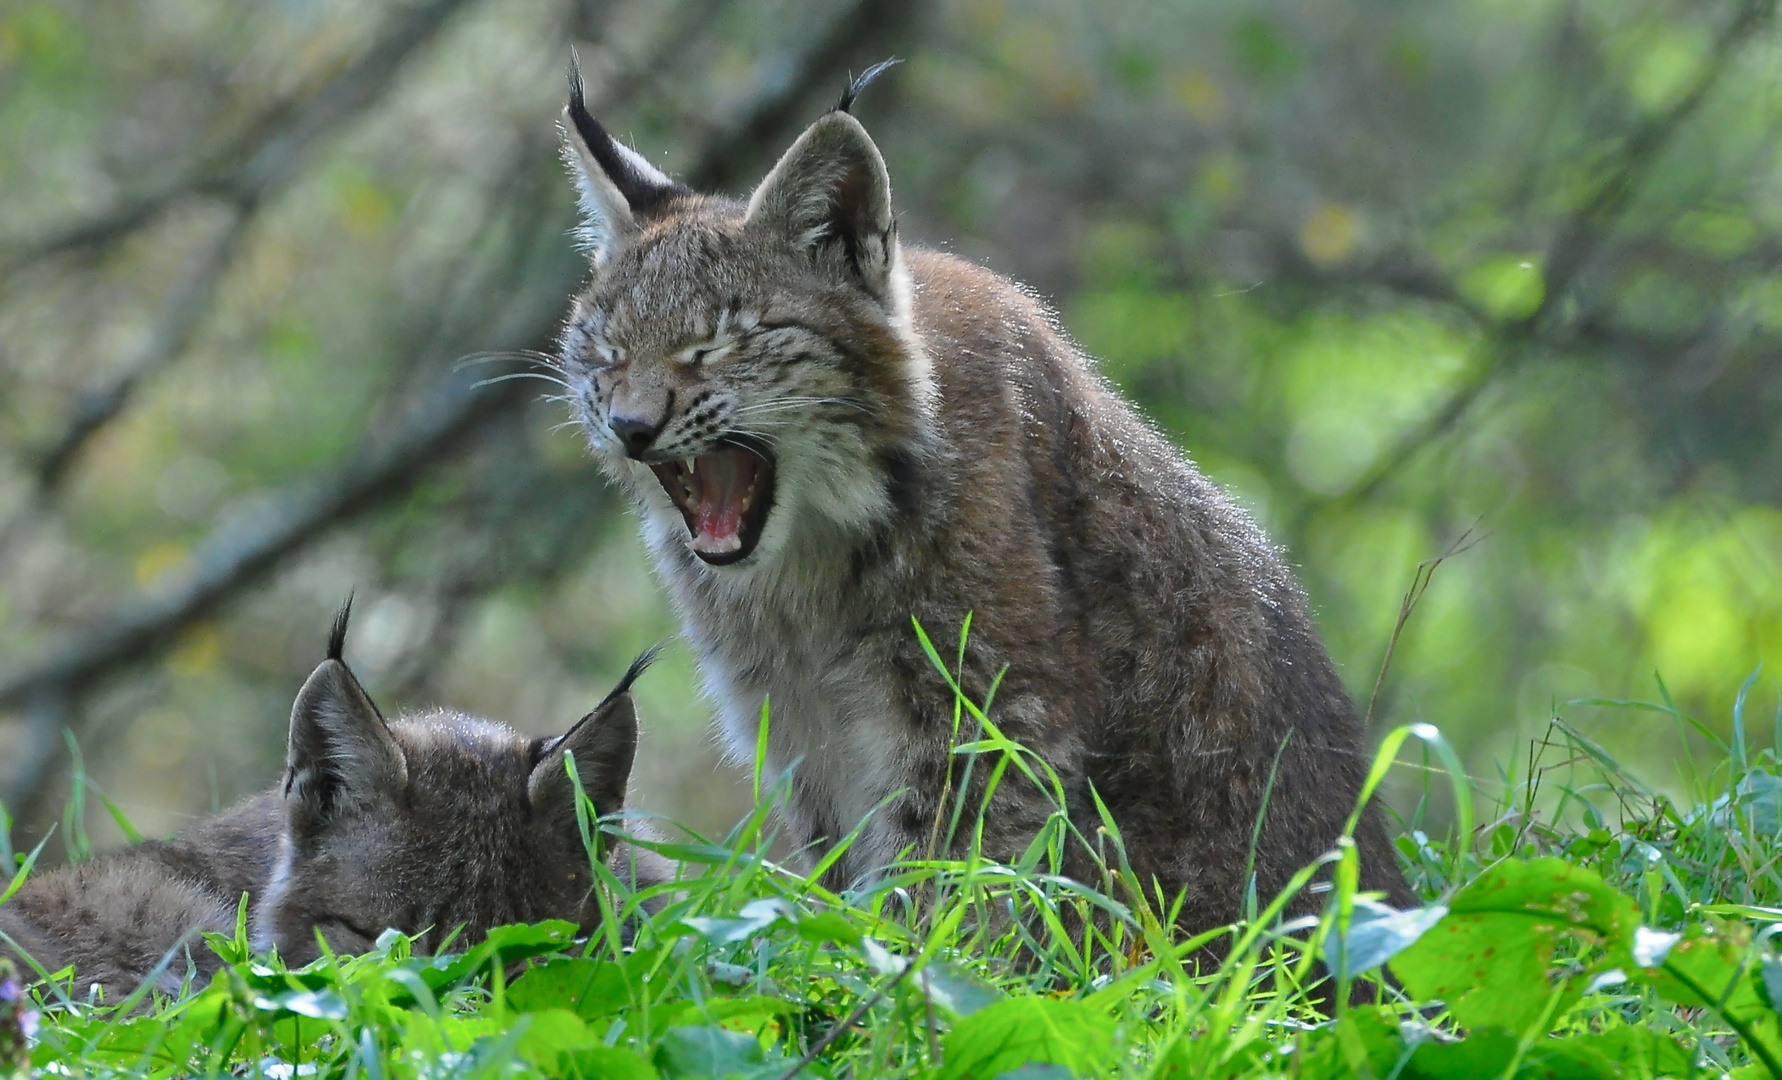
[521, 375]
[529, 356]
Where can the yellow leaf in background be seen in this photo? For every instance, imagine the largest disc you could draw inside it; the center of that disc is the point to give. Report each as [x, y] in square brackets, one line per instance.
[163, 564]
[198, 651]
[1329, 233]
[1221, 178]
[987, 15]
[1201, 96]
[363, 205]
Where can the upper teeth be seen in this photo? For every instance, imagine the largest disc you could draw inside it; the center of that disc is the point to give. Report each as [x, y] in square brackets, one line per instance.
[689, 463]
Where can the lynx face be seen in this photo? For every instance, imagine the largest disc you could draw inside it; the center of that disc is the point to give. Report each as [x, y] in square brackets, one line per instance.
[748, 371]
[432, 823]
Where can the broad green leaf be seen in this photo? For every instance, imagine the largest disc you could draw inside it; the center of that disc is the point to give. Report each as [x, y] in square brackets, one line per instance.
[551, 1033]
[1706, 966]
[714, 1052]
[1489, 959]
[1711, 966]
[1021, 1030]
[955, 990]
[1377, 933]
[1363, 1043]
[1625, 1053]
[828, 927]
[315, 1004]
[752, 1012]
[588, 988]
[604, 1063]
[1508, 287]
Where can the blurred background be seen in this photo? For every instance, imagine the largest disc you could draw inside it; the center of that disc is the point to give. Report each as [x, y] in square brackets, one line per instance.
[1392, 271]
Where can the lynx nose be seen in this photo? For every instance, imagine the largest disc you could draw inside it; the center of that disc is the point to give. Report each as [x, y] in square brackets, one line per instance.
[634, 435]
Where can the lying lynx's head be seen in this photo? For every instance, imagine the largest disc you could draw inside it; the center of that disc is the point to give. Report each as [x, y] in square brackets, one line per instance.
[433, 822]
[747, 370]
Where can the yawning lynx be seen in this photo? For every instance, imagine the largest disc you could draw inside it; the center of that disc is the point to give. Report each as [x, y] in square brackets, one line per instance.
[428, 823]
[828, 432]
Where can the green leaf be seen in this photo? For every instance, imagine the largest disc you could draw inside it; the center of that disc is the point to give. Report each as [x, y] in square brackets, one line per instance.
[1018, 1031]
[1489, 958]
[588, 988]
[1707, 967]
[1619, 1054]
[604, 1063]
[1484, 1056]
[828, 927]
[712, 1051]
[315, 1004]
[503, 945]
[552, 1033]
[1364, 1043]
[1508, 287]
[954, 990]
[1377, 933]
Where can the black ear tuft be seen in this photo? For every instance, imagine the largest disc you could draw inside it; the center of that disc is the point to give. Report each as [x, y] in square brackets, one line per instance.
[866, 77]
[337, 635]
[644, 192]
[638, 667]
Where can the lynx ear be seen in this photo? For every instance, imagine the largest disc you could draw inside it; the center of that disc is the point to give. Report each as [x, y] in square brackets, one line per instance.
[604, 743]
[340, 754]
[831, 195]
[619, 189]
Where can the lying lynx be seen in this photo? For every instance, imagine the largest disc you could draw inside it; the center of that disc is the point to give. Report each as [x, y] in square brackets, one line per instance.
[827, 432]
[428, 823]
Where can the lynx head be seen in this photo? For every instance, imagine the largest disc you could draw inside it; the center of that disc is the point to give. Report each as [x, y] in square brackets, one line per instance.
[748, 370]
[434, 822]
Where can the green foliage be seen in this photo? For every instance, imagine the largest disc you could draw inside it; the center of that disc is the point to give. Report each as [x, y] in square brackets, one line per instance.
[1555, 942]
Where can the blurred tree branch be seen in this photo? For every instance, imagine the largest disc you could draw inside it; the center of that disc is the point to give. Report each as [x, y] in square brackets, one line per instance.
[1580, 239]
[172, 330]
[382, 470]
[266, 154]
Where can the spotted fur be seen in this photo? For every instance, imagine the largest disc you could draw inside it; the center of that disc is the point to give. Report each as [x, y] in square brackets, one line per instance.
[942, 449]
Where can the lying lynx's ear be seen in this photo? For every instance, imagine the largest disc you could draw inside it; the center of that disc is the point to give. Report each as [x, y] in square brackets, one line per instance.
[619, 189]
[831, 195]
[340, 754]
[604, 743]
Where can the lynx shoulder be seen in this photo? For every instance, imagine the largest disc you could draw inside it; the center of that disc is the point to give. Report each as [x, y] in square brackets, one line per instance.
[827, 432]
[429, 823]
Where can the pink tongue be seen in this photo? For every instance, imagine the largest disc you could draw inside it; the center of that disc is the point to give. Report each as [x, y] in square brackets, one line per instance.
[723, 479]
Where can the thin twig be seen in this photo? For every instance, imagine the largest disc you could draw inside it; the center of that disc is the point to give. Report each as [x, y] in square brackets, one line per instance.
[852, 1018]
[1420, 580]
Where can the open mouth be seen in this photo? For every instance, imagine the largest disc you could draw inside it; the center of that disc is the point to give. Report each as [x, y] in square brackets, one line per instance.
[724, 497]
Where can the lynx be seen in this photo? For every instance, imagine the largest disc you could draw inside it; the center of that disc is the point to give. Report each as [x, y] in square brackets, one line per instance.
[826, 432]
[429, 823]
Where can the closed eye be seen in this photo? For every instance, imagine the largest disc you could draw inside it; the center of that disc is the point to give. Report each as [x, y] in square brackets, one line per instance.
[350, 927]
[698, 354]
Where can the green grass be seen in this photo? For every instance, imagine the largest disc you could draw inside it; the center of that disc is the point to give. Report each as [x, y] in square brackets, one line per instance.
[1587, 926]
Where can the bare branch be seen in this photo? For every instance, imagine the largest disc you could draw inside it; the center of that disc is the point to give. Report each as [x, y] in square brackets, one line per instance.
[174, 325]
[382, 469]
[265, 155]
[1576, 245]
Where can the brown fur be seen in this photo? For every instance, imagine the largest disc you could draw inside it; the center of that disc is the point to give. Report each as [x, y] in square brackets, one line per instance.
[429, 823]
[941, 448]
